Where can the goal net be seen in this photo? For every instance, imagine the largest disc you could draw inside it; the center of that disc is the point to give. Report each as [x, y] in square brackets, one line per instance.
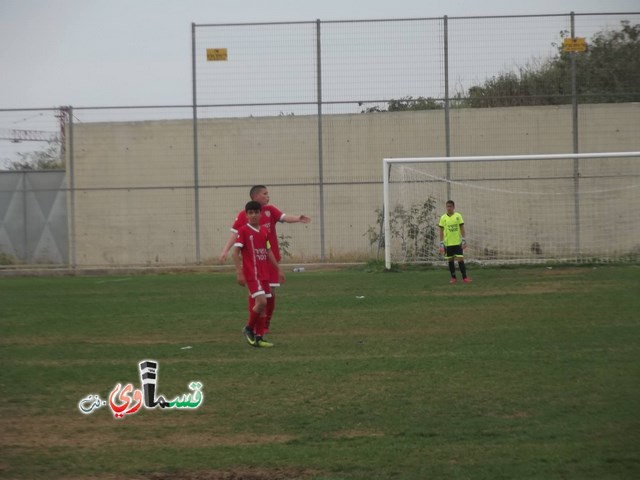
[516, 209]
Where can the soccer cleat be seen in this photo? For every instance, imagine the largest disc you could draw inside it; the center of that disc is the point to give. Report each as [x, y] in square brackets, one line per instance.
[467, 280]
[262, 343]
[453, 280]
[249, 336]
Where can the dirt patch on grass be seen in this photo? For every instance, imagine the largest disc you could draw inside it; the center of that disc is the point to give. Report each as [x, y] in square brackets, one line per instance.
[78, 432]
[159, 339]
[555, 271]
[527, 289]
[232, 474]
[514, 415]
[236, 474]
[349, 434]
[26, 434]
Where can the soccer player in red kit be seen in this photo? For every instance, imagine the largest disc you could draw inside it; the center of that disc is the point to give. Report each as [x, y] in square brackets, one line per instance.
[251, 255]
[269, 217]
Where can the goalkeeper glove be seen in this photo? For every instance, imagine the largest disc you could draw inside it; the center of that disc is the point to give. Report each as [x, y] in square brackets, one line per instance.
[441, 248]
[464, 244]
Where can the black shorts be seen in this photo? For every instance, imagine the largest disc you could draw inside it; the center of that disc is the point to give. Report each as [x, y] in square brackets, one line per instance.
[453, 251]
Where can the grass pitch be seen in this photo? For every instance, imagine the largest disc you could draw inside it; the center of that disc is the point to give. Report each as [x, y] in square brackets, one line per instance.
[525, 373]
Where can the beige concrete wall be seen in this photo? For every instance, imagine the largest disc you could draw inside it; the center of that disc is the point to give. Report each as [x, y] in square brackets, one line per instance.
[134, 203]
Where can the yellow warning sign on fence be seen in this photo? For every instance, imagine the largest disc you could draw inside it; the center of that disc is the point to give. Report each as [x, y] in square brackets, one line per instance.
[577, 44]
[216, 54]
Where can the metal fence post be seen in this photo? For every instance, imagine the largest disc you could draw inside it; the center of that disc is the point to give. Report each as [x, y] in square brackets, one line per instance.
[320, 151]
[25, 218]
[576, 144]
[72, 193]
[447, 120]
[196, 178]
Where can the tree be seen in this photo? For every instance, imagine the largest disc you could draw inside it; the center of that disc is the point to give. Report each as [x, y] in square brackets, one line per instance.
[608, 72]
[412, 104]
[47, 159]
[407, 104]
[414, 228]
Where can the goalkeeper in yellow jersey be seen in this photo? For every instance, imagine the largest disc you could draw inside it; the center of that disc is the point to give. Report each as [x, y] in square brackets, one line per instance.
[452, 242]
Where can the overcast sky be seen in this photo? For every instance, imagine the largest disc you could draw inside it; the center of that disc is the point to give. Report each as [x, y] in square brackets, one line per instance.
[138, 52]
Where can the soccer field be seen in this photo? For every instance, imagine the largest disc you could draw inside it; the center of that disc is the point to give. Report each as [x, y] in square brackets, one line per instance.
[525, 373]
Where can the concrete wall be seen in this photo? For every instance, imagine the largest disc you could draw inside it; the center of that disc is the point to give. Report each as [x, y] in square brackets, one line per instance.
[134, 202]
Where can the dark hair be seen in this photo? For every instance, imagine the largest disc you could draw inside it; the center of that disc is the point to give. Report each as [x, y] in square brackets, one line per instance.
[453, 204]
[255, 189]
[252, 205]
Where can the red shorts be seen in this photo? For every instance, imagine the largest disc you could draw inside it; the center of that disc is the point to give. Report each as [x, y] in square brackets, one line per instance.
[274, 276]
[258, 287]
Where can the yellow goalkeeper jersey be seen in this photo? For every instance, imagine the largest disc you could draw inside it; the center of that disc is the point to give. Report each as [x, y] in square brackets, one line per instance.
[451, 225]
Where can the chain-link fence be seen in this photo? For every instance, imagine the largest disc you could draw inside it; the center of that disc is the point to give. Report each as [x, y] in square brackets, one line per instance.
[311, 109]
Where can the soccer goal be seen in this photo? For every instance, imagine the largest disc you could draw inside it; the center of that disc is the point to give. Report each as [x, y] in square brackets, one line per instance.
[516, 208]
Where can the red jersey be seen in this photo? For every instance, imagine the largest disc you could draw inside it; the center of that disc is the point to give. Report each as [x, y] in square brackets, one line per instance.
[253, 244]
[269, 216]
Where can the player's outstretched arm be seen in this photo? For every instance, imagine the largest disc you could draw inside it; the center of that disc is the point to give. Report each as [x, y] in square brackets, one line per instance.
[227, 247]
[296, 219]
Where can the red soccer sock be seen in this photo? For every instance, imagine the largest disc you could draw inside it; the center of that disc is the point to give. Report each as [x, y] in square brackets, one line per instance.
[271, 306]
[261, 324]
[254, 320]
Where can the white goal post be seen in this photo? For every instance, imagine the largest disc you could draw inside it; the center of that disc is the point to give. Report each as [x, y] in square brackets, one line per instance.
[516, 208]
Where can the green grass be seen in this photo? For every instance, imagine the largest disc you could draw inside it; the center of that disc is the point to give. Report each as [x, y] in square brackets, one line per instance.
[525, 373]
